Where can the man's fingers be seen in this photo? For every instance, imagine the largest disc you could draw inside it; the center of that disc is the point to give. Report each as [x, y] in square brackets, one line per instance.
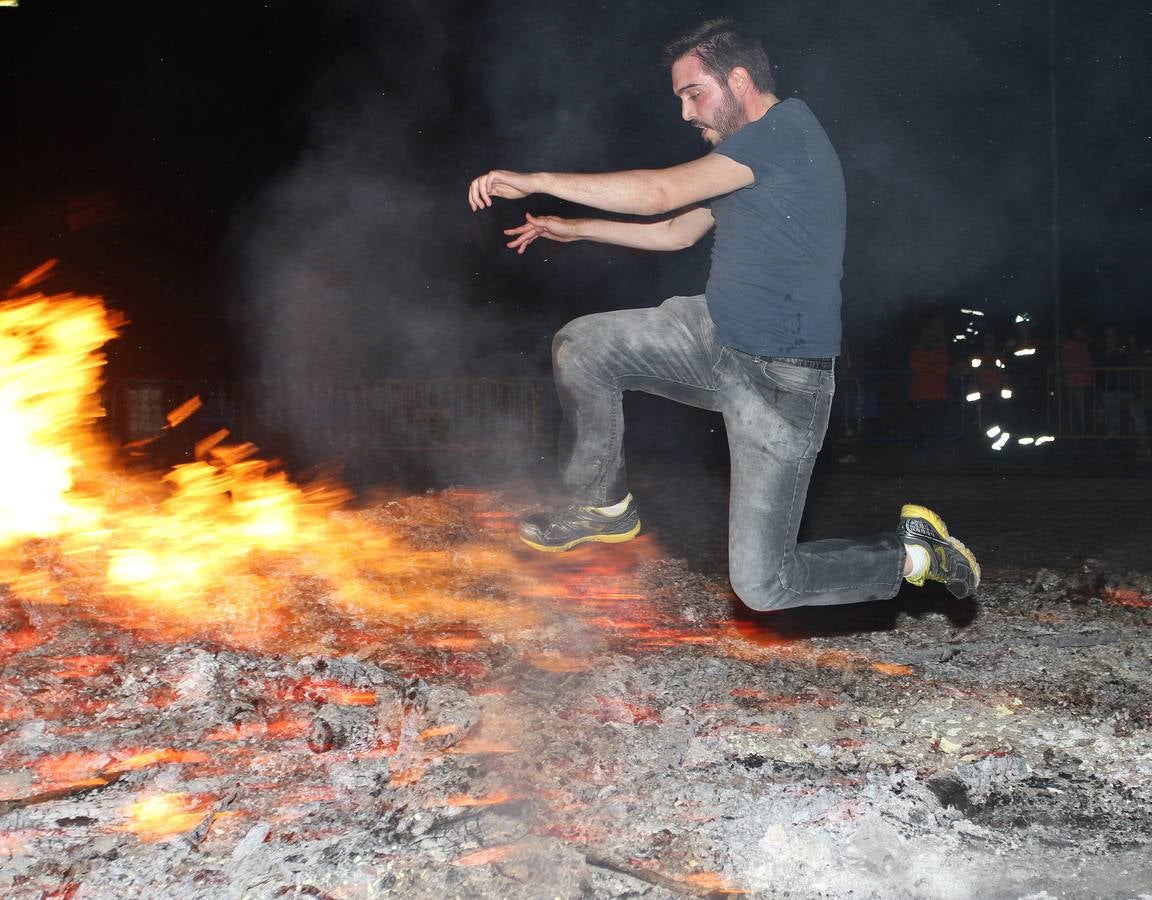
[474, 194]
[475, 199]
[523, 239]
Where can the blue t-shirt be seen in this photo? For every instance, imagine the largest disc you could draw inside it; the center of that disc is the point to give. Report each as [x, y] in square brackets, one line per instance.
[777, 258]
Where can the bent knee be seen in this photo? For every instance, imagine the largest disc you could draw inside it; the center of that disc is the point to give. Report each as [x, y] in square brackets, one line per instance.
[578, 338]
[581, 329]
[765, 596]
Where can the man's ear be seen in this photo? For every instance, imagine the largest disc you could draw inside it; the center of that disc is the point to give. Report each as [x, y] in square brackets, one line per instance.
[739, 81]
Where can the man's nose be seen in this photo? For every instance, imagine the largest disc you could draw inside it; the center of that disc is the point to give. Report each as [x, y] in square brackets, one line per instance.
[686, 111]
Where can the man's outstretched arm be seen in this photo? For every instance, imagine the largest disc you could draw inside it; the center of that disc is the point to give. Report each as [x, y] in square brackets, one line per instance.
[673, 233]
[640, 192]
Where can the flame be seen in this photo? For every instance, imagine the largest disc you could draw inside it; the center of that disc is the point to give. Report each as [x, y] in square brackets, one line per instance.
[160, 554]
[48, 403]
[226, 547]
[158, 816]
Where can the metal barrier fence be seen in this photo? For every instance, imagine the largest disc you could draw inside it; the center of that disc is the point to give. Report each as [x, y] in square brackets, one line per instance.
[1115, 404]
[873, 405]
[446, 414]
[465, 415]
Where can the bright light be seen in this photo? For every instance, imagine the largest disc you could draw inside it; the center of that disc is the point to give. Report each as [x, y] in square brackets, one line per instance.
[993, 431]
[976, 362]
[960, 337]
[1023, 317]
[1001, 441]
[1005, 393]
[1025, 351]
[1044, 439]
[971, 312]
[973, 397]
[999, 364]
[1026, 441]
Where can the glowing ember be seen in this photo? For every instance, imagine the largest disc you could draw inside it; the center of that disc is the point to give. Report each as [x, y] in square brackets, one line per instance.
[159, 816]
[1128, 597]
[714, 882]
[155, 757]
[490, 800]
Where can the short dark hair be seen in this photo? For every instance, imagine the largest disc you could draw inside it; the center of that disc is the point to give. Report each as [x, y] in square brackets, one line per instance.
[721, 47]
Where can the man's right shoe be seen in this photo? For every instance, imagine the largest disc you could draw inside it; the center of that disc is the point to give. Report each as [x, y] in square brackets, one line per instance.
[949, 561]
[564, 529]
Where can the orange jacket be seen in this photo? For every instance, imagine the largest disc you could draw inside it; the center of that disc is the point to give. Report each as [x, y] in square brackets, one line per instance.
[930, 367]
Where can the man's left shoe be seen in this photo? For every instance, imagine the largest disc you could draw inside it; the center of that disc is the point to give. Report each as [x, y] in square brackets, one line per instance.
[574, 525]
[949, 561]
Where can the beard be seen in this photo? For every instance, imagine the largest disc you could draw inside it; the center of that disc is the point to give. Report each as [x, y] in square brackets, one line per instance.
[729, 117]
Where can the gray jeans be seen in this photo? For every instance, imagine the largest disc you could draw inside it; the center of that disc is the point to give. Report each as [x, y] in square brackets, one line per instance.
[775, 413]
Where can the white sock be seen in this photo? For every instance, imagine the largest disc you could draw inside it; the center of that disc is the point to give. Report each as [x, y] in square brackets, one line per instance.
[616, 508]
[920, 560]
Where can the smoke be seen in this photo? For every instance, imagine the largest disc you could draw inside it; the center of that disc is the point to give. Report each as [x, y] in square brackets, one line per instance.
[360, 258]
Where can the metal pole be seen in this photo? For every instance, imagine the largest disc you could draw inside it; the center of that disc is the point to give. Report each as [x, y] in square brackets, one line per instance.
[1056, 364]
[1054, 162]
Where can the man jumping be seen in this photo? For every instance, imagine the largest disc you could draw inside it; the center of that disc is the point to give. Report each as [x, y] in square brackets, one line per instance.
[759, 346]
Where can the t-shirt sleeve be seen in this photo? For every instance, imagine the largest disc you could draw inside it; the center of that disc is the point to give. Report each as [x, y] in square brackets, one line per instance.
[769, 147]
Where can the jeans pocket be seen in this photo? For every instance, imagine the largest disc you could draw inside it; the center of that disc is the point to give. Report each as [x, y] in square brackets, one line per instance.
[790, 377]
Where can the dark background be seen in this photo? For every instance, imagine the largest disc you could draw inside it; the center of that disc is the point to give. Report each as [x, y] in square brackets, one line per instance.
[277, 190]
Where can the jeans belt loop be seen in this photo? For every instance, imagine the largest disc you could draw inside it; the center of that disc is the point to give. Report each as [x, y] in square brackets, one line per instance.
[823, 363]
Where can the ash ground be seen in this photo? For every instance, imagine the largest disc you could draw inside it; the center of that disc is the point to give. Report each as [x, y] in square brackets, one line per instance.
[645, 737]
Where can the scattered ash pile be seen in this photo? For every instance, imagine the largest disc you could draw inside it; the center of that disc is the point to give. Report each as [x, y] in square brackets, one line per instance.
[600, 724]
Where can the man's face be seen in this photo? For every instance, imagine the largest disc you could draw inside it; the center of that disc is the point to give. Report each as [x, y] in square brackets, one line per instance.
[705, 102]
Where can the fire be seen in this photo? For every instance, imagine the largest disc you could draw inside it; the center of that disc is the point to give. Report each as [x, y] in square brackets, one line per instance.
[216, 546]
[48, 402]
[227, 547]
[158, 816]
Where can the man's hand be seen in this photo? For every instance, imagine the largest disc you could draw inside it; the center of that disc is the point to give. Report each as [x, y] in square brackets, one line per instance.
[551, 227]
[499, 183]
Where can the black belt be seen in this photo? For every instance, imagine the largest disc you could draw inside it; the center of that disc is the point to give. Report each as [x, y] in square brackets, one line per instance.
[823, 363]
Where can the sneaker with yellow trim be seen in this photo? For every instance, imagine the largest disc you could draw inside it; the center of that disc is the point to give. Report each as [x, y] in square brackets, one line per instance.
[949, 561]
[564, 529]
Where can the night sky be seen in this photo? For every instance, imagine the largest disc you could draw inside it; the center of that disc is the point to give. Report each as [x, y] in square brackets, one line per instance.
[279, 188]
